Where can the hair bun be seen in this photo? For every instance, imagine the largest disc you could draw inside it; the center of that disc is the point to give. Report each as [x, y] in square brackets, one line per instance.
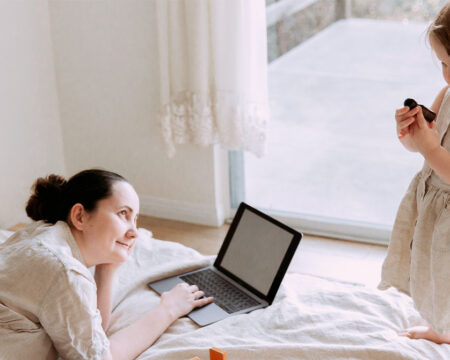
[46, 202]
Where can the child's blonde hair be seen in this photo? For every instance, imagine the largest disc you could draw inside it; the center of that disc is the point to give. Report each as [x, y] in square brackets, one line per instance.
[440, 27]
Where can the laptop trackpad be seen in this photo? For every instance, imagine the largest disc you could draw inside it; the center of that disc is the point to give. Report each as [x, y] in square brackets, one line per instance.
[208, 314]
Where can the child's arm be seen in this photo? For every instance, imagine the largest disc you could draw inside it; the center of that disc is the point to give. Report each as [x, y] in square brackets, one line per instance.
[438, 101]
[428, 144]
[427, 141]
[439, 161]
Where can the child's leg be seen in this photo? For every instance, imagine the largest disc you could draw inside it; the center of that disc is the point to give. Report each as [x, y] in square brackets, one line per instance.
[427, 333]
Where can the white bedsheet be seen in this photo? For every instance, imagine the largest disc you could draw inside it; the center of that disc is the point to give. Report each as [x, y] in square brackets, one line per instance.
[311, 317]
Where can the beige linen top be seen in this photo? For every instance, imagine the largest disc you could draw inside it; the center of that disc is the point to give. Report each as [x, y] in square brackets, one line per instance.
[48, 298]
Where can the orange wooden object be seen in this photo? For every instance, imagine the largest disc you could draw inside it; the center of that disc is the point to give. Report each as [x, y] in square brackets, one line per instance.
[217, 354]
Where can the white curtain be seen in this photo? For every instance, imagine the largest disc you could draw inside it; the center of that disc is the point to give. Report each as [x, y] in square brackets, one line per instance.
[213, 73]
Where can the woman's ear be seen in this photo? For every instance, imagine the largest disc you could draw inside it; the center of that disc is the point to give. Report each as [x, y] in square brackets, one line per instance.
[77, 216]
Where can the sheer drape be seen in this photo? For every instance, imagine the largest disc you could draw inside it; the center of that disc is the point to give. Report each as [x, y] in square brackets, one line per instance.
[213, 73]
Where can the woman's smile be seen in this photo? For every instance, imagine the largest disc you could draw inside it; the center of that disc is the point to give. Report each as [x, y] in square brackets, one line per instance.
[123, 244]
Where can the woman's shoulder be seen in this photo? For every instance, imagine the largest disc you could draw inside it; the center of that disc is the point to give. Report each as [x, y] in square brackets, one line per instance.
[24, 238]
[51, 246]
[27, 267]
[58, 241]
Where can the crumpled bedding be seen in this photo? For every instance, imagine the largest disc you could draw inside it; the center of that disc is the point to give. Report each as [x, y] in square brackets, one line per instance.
[311, 317]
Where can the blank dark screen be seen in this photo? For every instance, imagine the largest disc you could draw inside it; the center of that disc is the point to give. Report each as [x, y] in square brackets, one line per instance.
[256, 251]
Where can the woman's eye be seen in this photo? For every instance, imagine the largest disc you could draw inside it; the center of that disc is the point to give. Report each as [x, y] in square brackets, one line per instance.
[123, 212]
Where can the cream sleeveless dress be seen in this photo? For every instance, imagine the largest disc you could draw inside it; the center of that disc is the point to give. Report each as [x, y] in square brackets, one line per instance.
[418, 258]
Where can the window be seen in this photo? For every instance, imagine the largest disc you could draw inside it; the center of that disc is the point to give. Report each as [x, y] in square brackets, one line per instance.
[335, 166]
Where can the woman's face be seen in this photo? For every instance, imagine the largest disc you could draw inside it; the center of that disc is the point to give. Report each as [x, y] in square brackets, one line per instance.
[110, 231]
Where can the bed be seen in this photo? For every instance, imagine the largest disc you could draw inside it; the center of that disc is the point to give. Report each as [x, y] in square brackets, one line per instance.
[311, 317]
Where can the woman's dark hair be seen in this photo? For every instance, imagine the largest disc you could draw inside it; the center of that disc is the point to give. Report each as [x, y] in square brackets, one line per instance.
[53, 196]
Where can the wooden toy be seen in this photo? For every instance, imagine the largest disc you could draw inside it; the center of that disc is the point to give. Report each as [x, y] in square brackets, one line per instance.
[217, 354]
[214, 354]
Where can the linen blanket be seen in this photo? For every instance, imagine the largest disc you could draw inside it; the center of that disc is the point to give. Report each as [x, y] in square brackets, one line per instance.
[311, 317]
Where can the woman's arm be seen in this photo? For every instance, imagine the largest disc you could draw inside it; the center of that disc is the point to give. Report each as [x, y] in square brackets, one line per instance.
[104, 276]
[131, 341]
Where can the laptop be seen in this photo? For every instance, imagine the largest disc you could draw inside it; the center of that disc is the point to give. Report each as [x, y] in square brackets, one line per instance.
[248, 270]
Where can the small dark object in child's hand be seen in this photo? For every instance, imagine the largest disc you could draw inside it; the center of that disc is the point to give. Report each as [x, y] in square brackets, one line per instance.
[427, 113]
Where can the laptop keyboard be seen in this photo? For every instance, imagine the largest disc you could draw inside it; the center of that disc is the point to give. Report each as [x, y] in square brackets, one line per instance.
[226, 295]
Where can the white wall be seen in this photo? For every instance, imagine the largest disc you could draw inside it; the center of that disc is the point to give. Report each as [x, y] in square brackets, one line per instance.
[107, 76]
[30, 132]
[79, 89]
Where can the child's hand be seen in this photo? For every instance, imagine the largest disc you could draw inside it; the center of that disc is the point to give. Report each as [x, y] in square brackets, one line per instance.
[424, 134]
[405, 118]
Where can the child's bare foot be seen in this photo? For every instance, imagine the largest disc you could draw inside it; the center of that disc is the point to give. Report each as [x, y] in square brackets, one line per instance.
[427, 333]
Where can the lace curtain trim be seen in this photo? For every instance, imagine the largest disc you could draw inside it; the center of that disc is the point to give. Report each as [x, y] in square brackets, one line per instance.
[206, 119]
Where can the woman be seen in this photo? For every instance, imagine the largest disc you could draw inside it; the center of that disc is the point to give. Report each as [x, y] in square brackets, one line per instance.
[50, 304]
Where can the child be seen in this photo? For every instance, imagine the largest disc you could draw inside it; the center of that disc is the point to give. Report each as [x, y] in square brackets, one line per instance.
[418, 259]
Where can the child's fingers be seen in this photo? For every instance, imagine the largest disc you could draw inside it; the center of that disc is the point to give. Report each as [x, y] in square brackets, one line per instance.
[404, 115]
[403, 132]
[403, 127]
[406, 123]
[402, 110]
[421, 122]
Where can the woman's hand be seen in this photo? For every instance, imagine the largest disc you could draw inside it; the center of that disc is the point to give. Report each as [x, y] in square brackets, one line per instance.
[182, 299]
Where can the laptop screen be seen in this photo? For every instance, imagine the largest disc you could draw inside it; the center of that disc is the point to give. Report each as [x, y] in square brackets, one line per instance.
[256, 250]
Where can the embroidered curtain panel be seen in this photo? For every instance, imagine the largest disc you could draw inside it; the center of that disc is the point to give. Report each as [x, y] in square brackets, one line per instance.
[213, 73]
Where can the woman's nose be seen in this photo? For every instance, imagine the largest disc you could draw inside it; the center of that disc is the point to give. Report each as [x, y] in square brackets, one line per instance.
[132, 232]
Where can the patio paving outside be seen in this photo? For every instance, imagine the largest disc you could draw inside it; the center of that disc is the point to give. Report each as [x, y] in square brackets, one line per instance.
[332, 146]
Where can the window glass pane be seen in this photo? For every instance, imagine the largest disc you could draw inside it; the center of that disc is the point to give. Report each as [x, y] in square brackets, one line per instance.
[333, 149]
